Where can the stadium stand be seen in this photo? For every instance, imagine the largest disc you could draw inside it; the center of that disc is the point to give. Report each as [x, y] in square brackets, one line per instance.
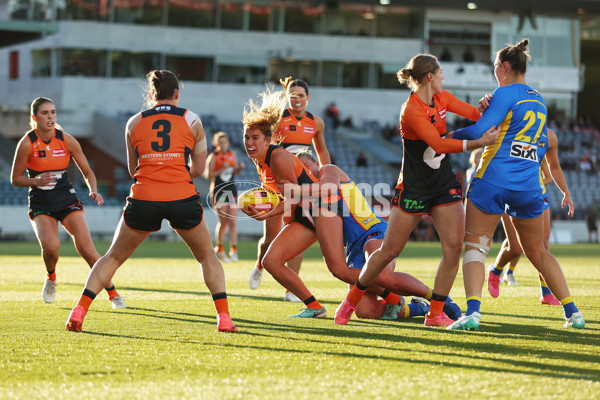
[385, 158]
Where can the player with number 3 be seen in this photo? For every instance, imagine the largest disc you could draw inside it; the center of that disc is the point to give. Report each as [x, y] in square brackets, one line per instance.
[166, 148]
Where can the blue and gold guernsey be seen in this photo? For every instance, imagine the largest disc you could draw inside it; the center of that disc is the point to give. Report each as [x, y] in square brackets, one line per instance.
[544, 192]
[359, 221]
[513, 161]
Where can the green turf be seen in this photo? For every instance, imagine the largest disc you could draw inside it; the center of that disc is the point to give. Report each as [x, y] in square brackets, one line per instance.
[165, 345]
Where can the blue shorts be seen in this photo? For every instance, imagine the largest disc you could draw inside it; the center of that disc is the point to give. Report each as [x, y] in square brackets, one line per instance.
[494, 199]
[355, 253]
[546, 201]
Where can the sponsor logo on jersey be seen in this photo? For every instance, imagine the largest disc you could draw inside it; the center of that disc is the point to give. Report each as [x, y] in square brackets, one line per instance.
[309, 130]
[163, 108]
[160, 156]
[524, 151]
[453, 191]
[442, 113]
[291, 127]
[59, 153]
[39, 154]
[266, 179]
[432, 159]
[532, 92]
[366, 221]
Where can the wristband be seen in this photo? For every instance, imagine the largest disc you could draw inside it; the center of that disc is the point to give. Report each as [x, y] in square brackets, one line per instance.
[464, 146]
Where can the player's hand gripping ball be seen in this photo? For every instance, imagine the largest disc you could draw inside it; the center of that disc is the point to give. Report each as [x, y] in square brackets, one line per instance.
[262, 199]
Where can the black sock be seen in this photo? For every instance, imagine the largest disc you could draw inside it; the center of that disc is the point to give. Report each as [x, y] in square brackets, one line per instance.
[438, 297]
[360, 285]
[218, 296]
[310, 300]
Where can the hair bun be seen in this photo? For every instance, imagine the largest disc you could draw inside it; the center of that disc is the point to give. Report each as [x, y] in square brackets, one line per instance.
[522, 45]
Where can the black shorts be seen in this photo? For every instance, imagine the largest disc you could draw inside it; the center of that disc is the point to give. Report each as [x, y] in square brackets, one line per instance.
[147, 216]
[304, 218]
[423, 203]
[59, 215]
[226, 194]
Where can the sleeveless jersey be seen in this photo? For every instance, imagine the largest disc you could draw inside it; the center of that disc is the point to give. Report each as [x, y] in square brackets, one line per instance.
[296, 134]
[52, 156]
[163, 142]
[357, 215]
[266, 175]
[422, 126]
[221, 160]
[513, 161]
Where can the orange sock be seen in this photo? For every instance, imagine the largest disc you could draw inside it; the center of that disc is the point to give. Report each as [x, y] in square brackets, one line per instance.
[233, 249]
[222, 306]
[259, 265]
[85, 302]
[51, 276]
[315, 304]
[390, 298]
[112, 293]
[435, 308]
[219, 248]
[354, 295]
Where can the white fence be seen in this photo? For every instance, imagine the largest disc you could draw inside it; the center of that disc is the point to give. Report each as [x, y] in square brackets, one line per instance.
[102, 221]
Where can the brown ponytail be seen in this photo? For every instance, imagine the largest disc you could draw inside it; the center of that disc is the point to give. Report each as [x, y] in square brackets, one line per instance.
[516, 55]
[417, 69]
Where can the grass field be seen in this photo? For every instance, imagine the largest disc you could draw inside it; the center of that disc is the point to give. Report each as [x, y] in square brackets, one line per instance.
[165, 345]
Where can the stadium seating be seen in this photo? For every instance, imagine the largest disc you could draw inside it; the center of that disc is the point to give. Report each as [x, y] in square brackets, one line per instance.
[574, 142]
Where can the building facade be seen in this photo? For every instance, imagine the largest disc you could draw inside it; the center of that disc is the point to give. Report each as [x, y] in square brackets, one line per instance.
[226, 51]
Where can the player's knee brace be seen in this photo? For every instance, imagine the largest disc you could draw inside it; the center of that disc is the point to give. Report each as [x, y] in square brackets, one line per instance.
[481, 249]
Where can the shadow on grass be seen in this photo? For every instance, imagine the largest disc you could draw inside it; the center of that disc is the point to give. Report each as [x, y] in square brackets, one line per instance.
[504, 352]
[200, 293]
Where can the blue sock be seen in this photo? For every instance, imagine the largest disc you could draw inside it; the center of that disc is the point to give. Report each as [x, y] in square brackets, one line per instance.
[509, 272]
[473, 305]
[545, 290]
[418, 309]
[569, 309]
[496, 271]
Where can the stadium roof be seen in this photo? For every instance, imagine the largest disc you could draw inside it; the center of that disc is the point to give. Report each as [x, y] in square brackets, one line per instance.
[558, 7]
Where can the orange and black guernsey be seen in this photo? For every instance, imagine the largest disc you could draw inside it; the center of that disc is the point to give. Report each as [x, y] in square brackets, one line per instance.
[425, 166]
[227, 160]
[163, 142]
[52, 156]
[266, 175]
[296, 134]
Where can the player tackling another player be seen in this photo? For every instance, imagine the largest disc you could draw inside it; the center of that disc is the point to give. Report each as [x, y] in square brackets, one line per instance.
[508, 179]
[427, 186]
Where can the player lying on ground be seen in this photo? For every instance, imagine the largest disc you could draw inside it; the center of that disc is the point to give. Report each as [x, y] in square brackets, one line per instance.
[346, 220]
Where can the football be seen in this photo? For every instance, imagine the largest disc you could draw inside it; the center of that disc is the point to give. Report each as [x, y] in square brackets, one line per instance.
[264, 200]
